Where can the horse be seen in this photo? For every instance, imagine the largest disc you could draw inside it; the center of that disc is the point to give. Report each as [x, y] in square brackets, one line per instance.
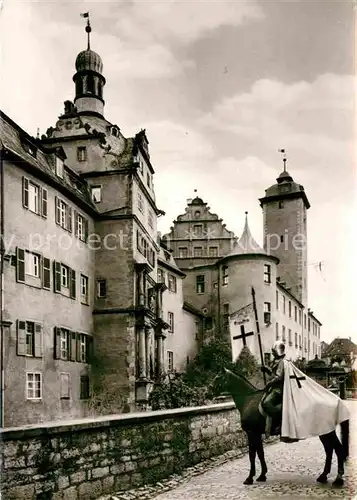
[247, 399]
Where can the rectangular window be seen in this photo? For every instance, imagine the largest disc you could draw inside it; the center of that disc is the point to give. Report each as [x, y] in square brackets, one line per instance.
[64, 343]
[225, 277]
[276, 331]
[96, 192]
[281, 204]
[296, 339]
[304, 320]
[284, 304]
[267, 273]
[29, 339]
[84, 289]
[200, 283]
[197, 251]
[81, 227]
[101, 288]
[309, 324]
[170, 316]
[213, 251]
[290, 338]
[59, 167]
[197, 229]
[32, 264]
[182, 252]
[64, 276]
[148, 179]
[300, 316]
[172, 285]
[65, 385]
[81, 153]
[300, 344]
[82, 348]
[267, 312]
[277, 299]
[63, 214]
[283, 334]
[33, 198]
[295, 312]
[281, 238]
[140, 203]
[151, 219]
[84, 388]
[289, 308]
[160, 276]
[170, 361]
[305, 345]
[34, 385]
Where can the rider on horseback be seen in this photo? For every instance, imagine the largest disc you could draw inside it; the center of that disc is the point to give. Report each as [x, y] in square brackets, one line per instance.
[272, 401]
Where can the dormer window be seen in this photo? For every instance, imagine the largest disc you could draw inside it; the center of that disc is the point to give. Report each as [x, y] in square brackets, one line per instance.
[115, 131]
[29, 148]
[59, 167]
[96, 192]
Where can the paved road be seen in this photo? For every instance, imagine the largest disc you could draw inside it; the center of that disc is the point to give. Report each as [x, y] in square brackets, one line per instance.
[292, 472]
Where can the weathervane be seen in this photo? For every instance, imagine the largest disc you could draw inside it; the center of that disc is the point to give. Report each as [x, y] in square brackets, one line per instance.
[88, 27]
[284, 157]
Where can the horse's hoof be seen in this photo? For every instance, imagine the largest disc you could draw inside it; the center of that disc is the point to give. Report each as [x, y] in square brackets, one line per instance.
[322, 479]
[262, 478]
[338, 482]
[249, 480]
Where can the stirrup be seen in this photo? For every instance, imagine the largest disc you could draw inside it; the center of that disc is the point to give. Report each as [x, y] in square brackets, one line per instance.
[268, 426]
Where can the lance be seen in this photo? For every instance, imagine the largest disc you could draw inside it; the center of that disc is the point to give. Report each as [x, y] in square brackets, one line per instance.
[258, 332]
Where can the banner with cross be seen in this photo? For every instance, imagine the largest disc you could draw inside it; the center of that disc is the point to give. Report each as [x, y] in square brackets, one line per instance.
[242, 330]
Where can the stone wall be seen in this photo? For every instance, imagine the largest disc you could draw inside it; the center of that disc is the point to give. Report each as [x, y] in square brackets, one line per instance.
[88, 458]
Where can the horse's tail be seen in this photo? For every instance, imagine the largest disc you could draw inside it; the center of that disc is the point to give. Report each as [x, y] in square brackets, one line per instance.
[345, 437]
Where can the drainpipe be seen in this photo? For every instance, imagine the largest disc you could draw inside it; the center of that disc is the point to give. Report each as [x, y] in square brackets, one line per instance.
[2, 253]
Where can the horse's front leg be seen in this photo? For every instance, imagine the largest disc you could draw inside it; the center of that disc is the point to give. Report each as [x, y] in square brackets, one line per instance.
[260, 452]
[252, 452]
[328, 446]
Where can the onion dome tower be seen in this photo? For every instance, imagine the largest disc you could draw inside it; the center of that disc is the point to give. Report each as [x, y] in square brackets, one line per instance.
[89, 80]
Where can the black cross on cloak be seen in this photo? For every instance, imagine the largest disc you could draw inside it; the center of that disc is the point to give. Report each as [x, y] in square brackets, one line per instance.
[243, 335]
[297, 379]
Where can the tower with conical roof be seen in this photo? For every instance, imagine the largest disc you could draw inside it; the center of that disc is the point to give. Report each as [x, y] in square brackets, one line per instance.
[89, 80]
[285, 207]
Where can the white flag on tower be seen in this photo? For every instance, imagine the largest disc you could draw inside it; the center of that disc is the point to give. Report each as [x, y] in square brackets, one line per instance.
[242, 330]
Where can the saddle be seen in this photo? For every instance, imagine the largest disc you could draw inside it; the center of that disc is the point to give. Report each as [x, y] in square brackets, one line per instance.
[276, 425]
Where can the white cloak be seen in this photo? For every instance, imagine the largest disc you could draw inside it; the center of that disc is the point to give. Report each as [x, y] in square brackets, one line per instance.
[308, 410]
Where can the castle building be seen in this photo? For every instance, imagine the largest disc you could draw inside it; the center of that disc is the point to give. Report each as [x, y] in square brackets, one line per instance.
[221, 272]
[84, 313]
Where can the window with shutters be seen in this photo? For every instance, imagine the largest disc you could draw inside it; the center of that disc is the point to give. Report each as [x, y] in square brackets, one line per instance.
[84, 289]
[64, 280]
[34, 197]
[34, 385]
[64, 344]
[29, 338]
[71, 346]
[80, 227]
[84, 388]
[65, 385]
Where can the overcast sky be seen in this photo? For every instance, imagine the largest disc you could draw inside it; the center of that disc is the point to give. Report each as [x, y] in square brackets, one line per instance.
[219, 86]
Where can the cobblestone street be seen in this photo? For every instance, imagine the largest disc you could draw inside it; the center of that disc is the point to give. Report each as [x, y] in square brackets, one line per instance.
[292, 472]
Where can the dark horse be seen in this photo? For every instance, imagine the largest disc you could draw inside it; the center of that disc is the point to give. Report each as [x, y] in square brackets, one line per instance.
[247, 399]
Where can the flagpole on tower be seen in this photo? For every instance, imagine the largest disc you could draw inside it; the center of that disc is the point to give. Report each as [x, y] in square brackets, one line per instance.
[258, 331]
[283, 151]
[88, 27]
